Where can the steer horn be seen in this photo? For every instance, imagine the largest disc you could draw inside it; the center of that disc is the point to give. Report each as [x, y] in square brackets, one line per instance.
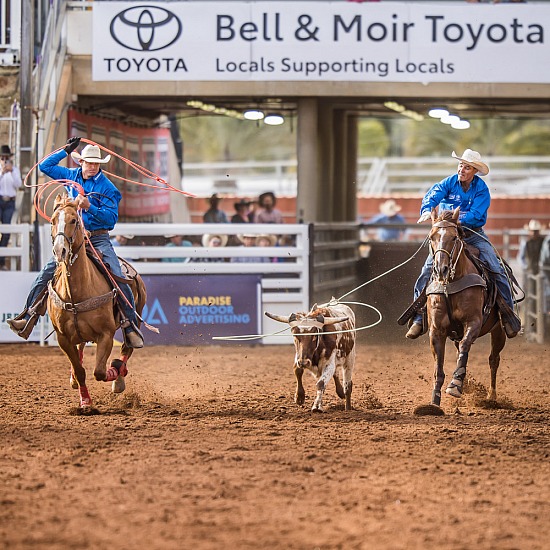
[334, 320]
[280, 318]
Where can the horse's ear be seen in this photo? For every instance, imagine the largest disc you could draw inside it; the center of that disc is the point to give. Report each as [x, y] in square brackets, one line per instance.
[58, 200]
[434, 215]
[456, 212]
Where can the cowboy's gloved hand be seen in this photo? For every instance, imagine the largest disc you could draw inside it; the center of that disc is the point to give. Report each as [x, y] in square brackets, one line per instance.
[424, 218]
[82, 202]
[72, 144]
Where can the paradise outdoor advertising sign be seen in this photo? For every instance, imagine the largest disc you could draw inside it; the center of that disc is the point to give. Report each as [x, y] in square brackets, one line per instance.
[343, 41]
[191, 309]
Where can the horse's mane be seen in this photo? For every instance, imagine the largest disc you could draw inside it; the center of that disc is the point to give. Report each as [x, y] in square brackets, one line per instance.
[447, 215]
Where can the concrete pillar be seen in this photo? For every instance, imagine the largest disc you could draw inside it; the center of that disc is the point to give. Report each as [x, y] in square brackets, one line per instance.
[308, 201]
[339, 185]
[326, 160]
[351, 154]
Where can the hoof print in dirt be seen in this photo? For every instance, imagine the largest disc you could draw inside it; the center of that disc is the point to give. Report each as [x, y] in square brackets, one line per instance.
[429, 410]
[83, 411]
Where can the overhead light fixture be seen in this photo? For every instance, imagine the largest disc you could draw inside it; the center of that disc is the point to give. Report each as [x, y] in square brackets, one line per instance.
[460, 125]
[449, 119]
[253, 114]
[438, 112]
[273, 119]
[398, 108]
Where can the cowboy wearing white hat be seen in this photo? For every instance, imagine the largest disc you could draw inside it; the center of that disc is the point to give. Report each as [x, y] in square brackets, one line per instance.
[92, 154]
[530, 249]
[467, 191]
[99, 205]
[389, 215]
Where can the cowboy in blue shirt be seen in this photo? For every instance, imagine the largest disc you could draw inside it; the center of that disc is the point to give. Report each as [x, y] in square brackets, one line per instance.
[466, 190]
[99, 206]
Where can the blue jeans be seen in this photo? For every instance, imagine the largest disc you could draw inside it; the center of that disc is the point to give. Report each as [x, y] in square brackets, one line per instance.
[7, 208]
[102, 243]
[486, 254]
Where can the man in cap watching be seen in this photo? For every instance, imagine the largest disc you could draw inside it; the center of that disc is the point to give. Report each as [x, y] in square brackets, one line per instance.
[10, 181]
[466, 190]
[99, 206]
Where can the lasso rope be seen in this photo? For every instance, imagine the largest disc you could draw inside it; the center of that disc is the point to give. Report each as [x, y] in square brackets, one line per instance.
[160, 183]
[331, 303]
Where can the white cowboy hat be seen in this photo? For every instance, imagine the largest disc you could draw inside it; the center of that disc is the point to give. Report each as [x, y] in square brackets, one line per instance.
[473, 158]
[534, 225]
[272, 239]
[90, 153]
[390, 208]
[206, 238]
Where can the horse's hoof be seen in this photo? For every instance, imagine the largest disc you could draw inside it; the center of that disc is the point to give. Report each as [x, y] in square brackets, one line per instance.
[429, 410]
[74, 383]
[119, 385]
[454, 391]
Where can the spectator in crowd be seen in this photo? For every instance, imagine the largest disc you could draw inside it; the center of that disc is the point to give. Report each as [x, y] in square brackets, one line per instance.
[212, 241]
[214, 214]
[267, 240]
[242, 209]
[122, 240]
[248, 241]
[544, 264]
[268, 213]
[389, 215]
[529, 251]
[10, 181]
[176, 241]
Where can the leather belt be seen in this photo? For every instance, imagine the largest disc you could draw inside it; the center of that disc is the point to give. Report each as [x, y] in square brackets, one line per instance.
[99, 232]
[5, 198]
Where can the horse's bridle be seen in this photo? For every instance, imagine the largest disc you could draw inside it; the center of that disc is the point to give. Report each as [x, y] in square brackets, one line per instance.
[452, 265]
[72, 255]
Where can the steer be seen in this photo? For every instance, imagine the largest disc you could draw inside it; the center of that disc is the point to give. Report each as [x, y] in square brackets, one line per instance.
[320, 350]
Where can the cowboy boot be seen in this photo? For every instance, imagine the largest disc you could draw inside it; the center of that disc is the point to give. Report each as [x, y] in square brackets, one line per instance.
[23, 327]
[417, 327]
[132, 336]
[511, 323]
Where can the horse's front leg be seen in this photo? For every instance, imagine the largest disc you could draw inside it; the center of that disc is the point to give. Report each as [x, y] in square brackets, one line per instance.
[73, 381]
[437, 344]
[498, 340]
[78, 373]
[455, 387]
[104, 348]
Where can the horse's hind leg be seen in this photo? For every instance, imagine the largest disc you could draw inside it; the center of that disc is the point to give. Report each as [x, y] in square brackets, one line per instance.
[121, 367]
[498, 340]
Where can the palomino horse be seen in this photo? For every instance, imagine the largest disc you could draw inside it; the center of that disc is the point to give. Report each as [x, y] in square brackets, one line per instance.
[81, 304]
[458, 308]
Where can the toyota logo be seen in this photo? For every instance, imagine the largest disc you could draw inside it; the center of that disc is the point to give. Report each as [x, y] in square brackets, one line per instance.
[145, 28]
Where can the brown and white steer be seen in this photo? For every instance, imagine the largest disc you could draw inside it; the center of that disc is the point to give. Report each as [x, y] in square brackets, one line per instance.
[320, 350]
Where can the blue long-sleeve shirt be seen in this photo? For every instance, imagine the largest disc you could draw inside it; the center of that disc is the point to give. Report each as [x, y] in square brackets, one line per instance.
[448, 195]
[104, 197]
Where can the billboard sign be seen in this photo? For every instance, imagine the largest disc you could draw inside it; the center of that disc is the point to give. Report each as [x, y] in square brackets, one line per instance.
[321, 41]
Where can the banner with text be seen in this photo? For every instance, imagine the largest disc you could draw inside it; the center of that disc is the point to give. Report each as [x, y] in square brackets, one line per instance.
[191, 309]
[147, 147]
[343, 41]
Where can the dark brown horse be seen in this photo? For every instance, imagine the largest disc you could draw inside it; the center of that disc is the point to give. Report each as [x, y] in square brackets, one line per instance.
[81, 304]
[457, 308]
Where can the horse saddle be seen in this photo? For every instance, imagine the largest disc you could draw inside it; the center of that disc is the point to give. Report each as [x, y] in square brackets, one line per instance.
[128, 270]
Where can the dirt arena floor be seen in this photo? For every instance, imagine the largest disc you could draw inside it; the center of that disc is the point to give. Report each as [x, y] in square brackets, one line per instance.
[206, 449]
